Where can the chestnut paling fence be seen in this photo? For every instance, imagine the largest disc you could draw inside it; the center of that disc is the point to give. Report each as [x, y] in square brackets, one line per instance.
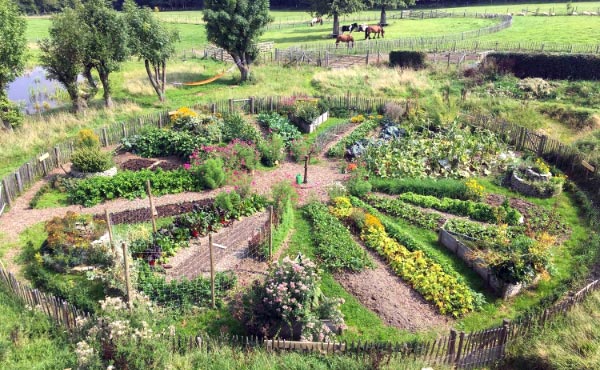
[574, 163]
[463, 350]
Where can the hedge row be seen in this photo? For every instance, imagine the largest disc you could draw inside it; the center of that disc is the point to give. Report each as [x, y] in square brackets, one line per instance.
[438, 188]
[548, 66]
[408, 59]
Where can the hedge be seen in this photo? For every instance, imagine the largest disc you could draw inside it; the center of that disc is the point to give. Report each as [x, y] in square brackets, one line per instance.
[408, 59]
[548, 66]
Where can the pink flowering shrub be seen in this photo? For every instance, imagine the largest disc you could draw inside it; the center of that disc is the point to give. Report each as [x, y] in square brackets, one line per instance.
[237, 155]
[290, 305]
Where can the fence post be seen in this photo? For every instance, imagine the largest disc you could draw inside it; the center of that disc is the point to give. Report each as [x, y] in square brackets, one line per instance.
[251, 105]
[104, 136]
[29, 173]
[152, 210]
[306, 159]
[230, 105]
[127, 279]
[461, 340]
[270, 233]
[110, 230]
[5, 187]
[367, 59]
[212, 270]
[451, 345]
[504, 338]
[57, 154]
[542, 145]
[123, 129]
[19, 182]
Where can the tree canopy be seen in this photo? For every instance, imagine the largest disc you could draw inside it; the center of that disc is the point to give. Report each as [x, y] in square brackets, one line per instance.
[387, 4]
[150, 41]
[13, 43]
[335, 8]
[235, 25]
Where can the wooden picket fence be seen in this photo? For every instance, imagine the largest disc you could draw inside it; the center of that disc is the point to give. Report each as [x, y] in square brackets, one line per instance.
[59, 310]
[459, 349]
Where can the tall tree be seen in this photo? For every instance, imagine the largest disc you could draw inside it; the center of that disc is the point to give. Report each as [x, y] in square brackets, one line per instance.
[335, 8]
[105, 37]
[387, 4]
[13, 46]
[150, 41]
[63, 54]
[235, 25]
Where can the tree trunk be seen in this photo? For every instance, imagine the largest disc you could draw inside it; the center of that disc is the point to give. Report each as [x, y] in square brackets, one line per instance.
[87, 73]
[243, 64]
[336, 24]
[105, 85]
[154, 79]
[383, 18]
[76, 100]
[163, 80]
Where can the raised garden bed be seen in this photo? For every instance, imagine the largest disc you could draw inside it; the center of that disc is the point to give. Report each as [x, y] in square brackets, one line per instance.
[312, 126]
[502, 289]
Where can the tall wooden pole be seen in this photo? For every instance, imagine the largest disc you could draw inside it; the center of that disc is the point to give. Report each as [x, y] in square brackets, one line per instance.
[152, 211]
[110, 230]
[271, 233]
[127, 279]
[306, 158]
[212, 270]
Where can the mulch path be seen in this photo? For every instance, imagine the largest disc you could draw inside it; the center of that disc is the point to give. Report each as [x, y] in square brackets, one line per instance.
[384, 293]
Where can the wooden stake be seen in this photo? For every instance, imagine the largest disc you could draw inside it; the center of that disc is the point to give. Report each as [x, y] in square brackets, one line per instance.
[127, 279]
[271, 233]
[212, 270]
[110, 230]
[306, 158]
[152, 210]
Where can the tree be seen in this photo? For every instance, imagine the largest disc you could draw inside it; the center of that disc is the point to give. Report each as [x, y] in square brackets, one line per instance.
[63, 54]
[384, 4]
[235, 25]
[335, 8]
[104, 33]
[152, 42]
[13, 45]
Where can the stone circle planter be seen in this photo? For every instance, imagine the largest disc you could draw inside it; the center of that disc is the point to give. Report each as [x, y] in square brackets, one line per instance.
[83, 175]
[524, 186]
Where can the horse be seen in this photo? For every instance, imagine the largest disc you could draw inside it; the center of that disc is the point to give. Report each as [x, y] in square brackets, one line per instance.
[345, 38]
[316, 20]
[362, 27]
[349, 28]
[373, 29]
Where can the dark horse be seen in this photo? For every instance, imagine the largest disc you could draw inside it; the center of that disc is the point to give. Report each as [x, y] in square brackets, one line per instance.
[373, 29]
[349, 28]
[348, 39]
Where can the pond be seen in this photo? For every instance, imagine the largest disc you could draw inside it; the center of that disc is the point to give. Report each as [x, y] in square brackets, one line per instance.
[35, 93]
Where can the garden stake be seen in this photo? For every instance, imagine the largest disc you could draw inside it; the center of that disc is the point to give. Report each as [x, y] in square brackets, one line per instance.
[127, 280]
[152, 210]
[110, 230]
[212, 270]
[306, 157]
[271, 233]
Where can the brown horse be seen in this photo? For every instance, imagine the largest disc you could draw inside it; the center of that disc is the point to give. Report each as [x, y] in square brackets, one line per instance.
[348, 39]
[373, 29]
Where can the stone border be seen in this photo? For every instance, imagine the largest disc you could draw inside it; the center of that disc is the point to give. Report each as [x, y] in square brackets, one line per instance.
[504, 290]
[522, 186]
[84, 175]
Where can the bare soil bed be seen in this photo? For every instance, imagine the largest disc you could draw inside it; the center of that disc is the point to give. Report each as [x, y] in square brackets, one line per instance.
[383, 292]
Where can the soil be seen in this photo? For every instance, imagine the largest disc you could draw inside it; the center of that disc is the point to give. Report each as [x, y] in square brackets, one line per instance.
[398, 305]
[136, 164]
[520, 205]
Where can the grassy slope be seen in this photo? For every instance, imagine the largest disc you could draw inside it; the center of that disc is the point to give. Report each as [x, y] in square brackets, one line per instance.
[569, 343]
[28, 340]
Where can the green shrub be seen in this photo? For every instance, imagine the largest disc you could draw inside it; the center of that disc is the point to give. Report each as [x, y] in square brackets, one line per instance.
[10, 114]
[408, 59]
[87, 138]
[437, 187]
[299, 149]
[271, 151]
[548, 66]
[211, 174]
[574, 117]
[358, 186]
[91, 160]
[155, 142]
[236, 127]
